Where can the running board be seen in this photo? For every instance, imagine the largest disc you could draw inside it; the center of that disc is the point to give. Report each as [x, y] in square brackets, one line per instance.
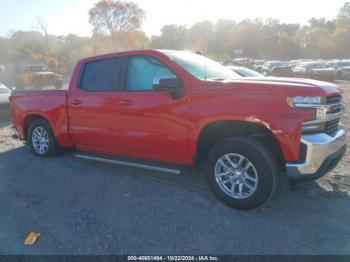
[129, 164]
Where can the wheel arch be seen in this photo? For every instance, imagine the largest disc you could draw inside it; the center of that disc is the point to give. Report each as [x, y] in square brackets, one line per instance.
[29, 119]
[216, 131]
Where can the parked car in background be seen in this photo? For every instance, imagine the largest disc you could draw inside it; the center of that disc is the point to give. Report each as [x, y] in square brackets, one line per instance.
[315, 70]
[294, 63]
[245, 61]
[245, 72]
[343, 73]
[4, 103]
[258, 64]
[341, 69]
[229, 62]
[276, 68]
[36, 77]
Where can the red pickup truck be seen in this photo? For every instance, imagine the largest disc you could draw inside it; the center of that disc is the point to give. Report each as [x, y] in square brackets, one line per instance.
[171, 108]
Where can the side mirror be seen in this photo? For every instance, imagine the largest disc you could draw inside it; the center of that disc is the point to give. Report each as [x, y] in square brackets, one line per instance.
[170, 83]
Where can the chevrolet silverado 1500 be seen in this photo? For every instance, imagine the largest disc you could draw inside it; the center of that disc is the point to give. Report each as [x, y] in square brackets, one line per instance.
[184, 109]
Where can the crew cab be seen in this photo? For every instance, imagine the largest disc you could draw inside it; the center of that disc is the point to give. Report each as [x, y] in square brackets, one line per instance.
[162, 110]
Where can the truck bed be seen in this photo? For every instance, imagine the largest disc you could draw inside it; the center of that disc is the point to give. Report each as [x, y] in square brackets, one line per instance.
[50, 104]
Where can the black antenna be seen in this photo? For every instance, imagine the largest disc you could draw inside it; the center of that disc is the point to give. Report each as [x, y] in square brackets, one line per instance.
[204, 49]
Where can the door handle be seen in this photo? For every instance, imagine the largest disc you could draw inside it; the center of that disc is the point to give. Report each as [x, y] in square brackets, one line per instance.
[125, 102]
[75, 102]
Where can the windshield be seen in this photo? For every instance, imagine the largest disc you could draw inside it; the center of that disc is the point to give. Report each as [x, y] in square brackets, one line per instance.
[201, 67]
[4, 89]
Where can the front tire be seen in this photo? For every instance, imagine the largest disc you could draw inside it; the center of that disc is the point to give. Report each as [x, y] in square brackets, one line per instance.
[241, 172]
[41, 140]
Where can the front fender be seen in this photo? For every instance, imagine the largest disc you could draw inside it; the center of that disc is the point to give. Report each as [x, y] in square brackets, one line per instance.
[267, 110]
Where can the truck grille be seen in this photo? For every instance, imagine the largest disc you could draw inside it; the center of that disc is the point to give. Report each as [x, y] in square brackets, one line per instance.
[334, 99]
[331, 127]
[330, 123]
[335, 104]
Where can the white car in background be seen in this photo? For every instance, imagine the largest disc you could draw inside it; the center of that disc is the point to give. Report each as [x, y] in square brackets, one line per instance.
[344, 73]
[342, 69]
[4, 103]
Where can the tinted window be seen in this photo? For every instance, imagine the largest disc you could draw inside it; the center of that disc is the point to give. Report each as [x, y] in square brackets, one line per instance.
[142, 70]
[101, 75]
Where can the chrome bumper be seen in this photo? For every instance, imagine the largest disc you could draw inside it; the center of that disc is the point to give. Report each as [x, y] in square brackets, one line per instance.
[323, 152]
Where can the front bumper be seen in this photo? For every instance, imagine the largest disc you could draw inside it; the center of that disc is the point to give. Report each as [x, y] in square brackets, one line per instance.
[323, 153]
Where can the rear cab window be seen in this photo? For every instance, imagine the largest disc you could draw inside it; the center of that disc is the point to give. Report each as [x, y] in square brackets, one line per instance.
[101, 75]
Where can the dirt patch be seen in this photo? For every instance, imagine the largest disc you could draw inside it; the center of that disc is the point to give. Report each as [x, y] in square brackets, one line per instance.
[6, 141]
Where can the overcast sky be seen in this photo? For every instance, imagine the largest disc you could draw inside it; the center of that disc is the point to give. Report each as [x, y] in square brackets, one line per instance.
[71, 16]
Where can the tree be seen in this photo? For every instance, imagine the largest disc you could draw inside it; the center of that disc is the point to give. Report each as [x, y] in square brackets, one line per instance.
[223, 29]
[27, 46]
[322, 23]
[200, 36]
[344, 13]
[72, 49]
[115, 18]
[340, 41]
[42, 25]
[172, 37]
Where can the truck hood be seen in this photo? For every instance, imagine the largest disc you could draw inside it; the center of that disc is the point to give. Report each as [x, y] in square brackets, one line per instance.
[276, 85]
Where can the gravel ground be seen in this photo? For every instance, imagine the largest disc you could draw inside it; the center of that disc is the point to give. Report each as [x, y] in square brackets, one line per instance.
[81, 207]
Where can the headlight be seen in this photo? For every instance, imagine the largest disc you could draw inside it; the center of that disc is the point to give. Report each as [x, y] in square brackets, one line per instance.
[316, 103]
[305, 101]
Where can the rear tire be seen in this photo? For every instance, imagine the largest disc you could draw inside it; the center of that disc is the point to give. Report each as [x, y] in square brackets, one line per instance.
[41, 140]
[241, 172]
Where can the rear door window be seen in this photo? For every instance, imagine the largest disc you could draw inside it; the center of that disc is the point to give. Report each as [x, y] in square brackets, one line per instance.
[102, 75]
